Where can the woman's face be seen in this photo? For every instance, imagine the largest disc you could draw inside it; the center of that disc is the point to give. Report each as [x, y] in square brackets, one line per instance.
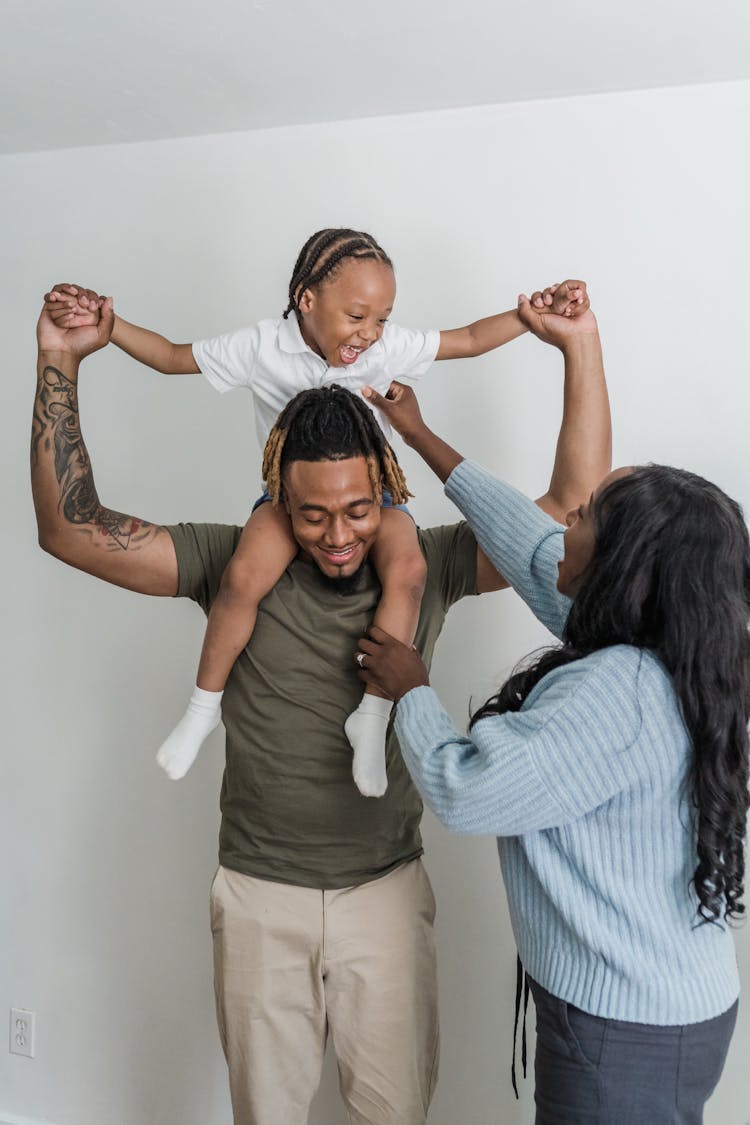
[579, 539]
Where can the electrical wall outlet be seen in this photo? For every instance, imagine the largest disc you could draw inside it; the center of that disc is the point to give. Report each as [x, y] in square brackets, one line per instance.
[22, 1032]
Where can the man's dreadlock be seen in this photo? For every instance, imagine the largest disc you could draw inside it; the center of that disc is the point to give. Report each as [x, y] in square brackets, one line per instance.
[323, 252]
[331, 424]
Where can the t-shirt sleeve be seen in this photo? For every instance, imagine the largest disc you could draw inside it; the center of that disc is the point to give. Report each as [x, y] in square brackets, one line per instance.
[229, 361]
[409, 353]
[203, 551]
[451, 555]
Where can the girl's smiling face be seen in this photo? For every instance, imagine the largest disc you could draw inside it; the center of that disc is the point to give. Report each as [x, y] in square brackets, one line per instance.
[341, 318]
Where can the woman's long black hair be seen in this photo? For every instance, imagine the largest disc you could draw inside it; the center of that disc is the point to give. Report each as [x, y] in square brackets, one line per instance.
[671, 572]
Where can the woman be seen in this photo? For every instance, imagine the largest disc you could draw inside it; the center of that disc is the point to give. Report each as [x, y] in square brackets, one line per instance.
[613, 769]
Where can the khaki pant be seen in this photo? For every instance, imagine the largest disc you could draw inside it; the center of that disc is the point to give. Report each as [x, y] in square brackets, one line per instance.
[292, 964]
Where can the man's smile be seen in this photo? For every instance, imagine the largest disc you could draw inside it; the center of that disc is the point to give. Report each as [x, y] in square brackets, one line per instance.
[339, 556]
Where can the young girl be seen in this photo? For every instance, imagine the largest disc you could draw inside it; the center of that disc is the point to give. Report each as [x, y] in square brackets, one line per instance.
[341, 294]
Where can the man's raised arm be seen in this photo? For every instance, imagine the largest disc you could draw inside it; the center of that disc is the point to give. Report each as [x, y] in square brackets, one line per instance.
[73, 525]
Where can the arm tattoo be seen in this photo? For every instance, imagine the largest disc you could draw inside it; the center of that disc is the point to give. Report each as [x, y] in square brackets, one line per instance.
[56, 429]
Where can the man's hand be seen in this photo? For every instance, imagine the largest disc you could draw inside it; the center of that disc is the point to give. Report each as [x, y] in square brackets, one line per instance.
[400, 407]
[73, 306]
[558, 313]
[76, 342]
[388, 664]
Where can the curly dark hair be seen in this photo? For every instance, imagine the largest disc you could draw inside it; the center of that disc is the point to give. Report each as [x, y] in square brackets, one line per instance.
[670, 572]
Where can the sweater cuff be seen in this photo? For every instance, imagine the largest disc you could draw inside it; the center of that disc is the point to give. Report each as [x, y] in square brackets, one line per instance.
[484, 499]
[415, 702]
[521, 541]
[421, 722]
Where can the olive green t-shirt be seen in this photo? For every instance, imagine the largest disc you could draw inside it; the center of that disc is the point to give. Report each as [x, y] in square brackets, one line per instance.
[290, 809]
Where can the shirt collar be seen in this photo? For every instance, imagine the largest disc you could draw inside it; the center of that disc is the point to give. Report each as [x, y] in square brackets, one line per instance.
[290, 337]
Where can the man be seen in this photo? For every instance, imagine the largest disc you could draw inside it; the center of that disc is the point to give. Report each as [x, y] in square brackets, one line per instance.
[321, 911]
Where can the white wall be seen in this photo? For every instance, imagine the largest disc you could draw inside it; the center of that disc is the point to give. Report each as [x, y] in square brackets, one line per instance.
[105, 865]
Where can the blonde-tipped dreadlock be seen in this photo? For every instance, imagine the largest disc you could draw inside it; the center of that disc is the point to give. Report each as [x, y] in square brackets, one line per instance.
[331, 424]
[271, 468]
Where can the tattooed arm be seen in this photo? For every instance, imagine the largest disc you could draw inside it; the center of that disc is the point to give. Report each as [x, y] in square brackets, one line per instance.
[74, 525]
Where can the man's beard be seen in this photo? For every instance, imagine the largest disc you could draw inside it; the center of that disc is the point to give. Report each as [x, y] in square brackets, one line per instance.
[344, 584]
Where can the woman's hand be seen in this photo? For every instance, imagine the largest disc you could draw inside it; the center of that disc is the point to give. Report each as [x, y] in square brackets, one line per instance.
[389, 665]
[400, 407]
[559, 313]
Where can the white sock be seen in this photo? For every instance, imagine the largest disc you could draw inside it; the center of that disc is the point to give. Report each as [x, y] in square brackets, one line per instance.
[178, 752]
[365, 728]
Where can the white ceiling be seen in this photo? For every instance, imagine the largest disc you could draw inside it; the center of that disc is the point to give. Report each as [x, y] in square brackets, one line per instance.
[79, 72]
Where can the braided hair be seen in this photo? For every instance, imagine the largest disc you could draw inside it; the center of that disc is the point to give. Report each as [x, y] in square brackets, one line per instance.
[331, 424]
[670, 572]
[323, 253]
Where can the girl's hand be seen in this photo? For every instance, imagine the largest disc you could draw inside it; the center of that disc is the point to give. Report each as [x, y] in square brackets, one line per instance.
[400, 407]
[567, 298]
[73, 306]
[558, 313]
[389, 665]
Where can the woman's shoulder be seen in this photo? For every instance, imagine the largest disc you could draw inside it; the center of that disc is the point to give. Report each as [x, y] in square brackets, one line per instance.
[631, 659]
[638, 667]
[618, 677]
[620, 694]
[623, 661]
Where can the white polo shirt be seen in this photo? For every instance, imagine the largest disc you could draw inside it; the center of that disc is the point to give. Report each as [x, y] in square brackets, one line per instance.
[273, 361]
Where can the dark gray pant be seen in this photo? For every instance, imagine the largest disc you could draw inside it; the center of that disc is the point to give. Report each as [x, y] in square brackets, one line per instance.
[593, 1071]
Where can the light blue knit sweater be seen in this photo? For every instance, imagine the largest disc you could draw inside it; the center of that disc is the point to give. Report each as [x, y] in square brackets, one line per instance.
[584, 789]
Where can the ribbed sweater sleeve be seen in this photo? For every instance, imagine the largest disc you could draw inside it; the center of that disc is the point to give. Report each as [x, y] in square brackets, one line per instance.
[566, 753]
[521, 541]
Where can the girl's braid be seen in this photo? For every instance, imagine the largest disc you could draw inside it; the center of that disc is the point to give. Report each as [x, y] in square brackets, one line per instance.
[323, 253]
